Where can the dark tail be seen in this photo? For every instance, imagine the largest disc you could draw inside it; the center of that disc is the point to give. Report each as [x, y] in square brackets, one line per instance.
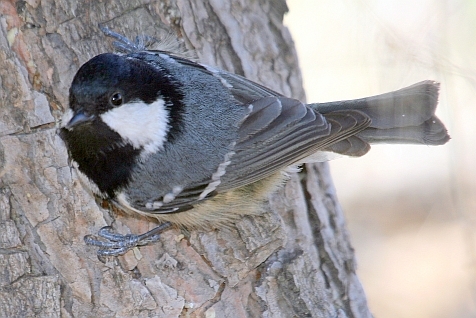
[405, 116]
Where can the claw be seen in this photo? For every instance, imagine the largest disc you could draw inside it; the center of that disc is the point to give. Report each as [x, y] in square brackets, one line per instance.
[114, 244]
[123, 44]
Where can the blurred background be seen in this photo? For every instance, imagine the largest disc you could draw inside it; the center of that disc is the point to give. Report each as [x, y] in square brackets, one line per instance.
[410, 209]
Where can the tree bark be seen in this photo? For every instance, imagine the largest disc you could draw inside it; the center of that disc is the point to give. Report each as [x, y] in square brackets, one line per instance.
[294, 260]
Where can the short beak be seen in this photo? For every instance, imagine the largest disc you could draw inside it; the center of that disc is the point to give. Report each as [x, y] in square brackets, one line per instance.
[78, 119]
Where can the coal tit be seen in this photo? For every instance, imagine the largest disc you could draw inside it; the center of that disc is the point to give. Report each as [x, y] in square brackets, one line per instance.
[163, 136]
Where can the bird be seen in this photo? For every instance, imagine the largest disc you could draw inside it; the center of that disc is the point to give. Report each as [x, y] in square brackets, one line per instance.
[165, 136]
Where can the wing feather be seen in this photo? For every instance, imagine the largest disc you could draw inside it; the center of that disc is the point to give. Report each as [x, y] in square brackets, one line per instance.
[276, 133]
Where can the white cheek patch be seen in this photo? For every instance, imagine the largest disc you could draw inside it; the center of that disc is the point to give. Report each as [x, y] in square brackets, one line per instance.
[140, 124]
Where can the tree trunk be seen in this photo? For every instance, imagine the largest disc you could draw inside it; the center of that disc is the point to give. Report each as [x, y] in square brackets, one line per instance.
[295, 260]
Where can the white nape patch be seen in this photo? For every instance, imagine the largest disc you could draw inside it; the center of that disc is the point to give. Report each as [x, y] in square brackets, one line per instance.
[216, 177]
[140, 124]
[67, 116]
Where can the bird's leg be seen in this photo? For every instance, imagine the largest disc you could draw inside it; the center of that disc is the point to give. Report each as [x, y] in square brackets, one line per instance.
[114, 244]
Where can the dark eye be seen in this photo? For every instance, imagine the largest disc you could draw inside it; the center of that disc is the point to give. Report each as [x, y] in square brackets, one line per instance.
[116, 99]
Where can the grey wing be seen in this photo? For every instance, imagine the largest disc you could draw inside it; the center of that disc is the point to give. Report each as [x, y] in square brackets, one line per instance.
[243, 90]
[281, 131]
[276, 133]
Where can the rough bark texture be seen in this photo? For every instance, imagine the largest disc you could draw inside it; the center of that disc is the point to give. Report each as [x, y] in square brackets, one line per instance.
[295, 260]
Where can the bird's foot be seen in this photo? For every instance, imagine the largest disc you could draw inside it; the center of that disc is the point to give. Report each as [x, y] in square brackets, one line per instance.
[114, 244]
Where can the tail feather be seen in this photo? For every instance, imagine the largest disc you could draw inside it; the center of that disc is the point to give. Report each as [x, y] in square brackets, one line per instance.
[431, 132]
[352, 146]
[403, 116]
